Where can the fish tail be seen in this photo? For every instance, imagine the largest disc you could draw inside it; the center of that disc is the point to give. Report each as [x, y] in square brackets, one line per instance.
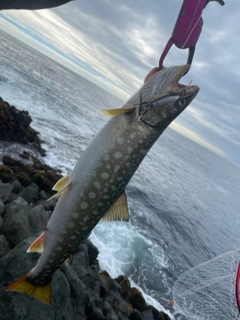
[40, 292]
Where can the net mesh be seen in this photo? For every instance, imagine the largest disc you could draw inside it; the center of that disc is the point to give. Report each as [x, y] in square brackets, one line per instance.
[208, 291]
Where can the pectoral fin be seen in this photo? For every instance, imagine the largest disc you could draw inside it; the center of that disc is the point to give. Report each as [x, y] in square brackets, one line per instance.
[118, 211]
[61, 186]
[118, 111]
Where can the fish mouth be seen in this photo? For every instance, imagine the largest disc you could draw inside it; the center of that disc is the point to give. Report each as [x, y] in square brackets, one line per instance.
[172, 88]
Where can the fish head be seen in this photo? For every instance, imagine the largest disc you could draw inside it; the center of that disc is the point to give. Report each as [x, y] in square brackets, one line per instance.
[169, 99]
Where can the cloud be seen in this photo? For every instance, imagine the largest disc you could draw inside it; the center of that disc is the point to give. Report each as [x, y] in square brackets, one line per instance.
[115, 44]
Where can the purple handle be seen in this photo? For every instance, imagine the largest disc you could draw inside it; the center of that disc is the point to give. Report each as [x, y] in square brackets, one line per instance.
[189, 24]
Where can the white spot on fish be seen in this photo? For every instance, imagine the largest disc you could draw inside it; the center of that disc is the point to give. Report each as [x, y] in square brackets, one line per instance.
[120, 141]
[84, 228]
[105, 175]
[60, 239]
[86, 218]
[100, 204]
[133, 135]
[140, 128]
[97, 184]
[59, 248]
[71, 224]
[105, 197]
[108, 166]
[92, 195]
[51, 260]
[95, 212]
[113, 188]
[119, 178]
[117, 155]
[84, 205]
[77, 232]
[73, 237]
[129, 149]
[75, 215]
[106, 157]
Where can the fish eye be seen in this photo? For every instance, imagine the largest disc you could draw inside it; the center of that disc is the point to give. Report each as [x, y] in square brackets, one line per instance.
[182, 102]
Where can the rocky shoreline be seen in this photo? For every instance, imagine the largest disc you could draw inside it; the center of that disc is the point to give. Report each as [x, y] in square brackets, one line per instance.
[80, 289]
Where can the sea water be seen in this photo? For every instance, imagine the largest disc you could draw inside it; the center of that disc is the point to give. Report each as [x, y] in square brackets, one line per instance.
[183, 200]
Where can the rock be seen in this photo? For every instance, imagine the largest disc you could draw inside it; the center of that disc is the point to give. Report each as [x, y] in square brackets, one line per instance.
[114, 286]
[111, 315]
[38, 219]
[96, 314]
[106, 306]
[15, 305]
[42, 195]
[29, 193]
[136, 299]
[120, 306]
[92, 252]
[135, 315]
[15, 126]
[4, 246]
[39, 173]
[125, 286]
[1, 223]
[16, 186]
[1, 208]
[5, 191]
[15, 224]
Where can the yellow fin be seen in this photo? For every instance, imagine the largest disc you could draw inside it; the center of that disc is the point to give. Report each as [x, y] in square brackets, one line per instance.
[23, 284]
[118, 111]
[38, 244]
[118, 211]
[61, 186]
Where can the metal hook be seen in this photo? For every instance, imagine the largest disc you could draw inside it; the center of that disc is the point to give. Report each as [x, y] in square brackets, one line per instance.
[221, 2]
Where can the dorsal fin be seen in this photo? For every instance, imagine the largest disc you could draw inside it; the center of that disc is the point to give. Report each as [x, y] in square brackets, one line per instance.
[118, 211]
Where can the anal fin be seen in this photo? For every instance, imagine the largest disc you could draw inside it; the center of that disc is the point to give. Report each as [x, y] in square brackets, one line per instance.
[38, 244]
[118, 211]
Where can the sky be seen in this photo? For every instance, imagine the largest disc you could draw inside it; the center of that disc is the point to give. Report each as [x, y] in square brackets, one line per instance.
[116, 43]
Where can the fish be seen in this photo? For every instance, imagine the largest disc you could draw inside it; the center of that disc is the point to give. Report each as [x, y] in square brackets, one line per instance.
[30, 4]
[95, 189]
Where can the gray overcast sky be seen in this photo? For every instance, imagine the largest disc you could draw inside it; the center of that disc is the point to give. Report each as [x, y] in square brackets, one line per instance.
[116, 43]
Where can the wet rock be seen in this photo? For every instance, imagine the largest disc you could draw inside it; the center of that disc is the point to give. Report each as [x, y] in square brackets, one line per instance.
[125, 286]
[136, 299]
[16, 225]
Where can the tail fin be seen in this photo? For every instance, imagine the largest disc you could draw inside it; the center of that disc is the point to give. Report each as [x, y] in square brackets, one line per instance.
[40, 292]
